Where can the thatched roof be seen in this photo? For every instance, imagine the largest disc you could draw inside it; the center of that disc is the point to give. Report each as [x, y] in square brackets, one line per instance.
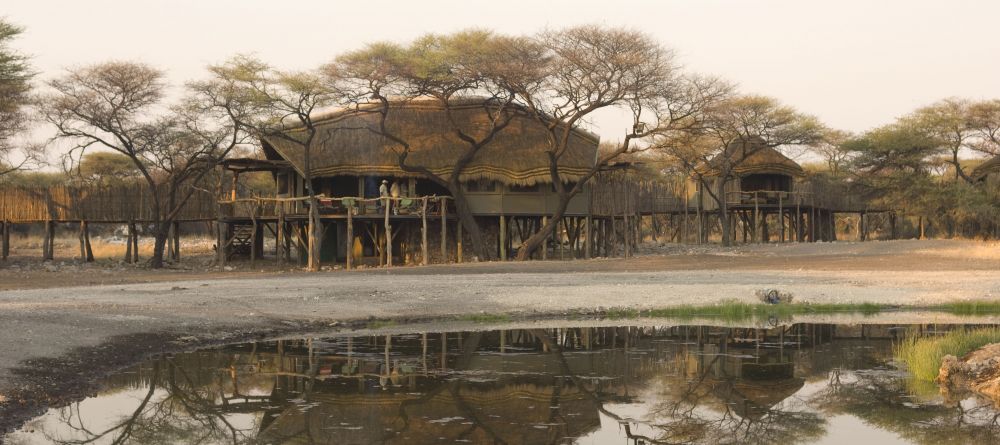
[991, 165]
[752, 157]
[348, 144]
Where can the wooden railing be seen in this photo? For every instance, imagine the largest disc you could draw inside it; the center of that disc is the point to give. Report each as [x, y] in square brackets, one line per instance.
[770, 198]
[267, 206]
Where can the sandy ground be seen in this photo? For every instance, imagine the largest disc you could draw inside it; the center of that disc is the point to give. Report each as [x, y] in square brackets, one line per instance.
[50, 332]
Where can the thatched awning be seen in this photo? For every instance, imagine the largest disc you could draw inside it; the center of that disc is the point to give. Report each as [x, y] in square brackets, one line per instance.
[992, 165]
[348, 143]
[752, 157]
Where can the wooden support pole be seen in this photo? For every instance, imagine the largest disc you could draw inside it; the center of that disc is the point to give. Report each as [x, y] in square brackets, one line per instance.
[253, 238]
[423, 231]
[220, 226]
[798, 221]
[781, 215]
[349, 254]
[83, 243]
[279, 235]
[503, 238]
[755, 236]
[444, 229]
[176, 239]
[135, 242]
[545, 242]
[388, 235]
[458, 241]
[625, 236]
[128, 243]
[588, 241]
[5, 241]
[47, 241]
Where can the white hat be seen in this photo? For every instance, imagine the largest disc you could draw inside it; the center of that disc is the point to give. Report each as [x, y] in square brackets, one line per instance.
[385, 181]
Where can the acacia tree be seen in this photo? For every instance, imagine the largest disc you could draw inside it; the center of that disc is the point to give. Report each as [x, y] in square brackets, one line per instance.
[280, 105]
[15, 78]
[443, 68]
[589, 69]
[118, 106]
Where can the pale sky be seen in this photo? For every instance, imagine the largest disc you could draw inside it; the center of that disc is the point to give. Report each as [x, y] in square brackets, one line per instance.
[855, 64]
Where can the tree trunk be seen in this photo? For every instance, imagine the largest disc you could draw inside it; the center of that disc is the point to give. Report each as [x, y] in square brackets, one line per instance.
[160, 243]
[536, 239]
[469, 223]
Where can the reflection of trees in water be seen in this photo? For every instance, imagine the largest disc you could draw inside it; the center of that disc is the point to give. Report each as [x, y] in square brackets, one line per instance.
[175, 408]
[882, 399]
[684, 417]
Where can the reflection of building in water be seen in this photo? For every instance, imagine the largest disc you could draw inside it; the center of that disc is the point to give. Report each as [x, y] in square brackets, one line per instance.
[695, 384]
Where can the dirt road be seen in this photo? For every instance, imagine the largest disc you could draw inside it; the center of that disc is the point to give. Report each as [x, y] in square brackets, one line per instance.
[53, 333]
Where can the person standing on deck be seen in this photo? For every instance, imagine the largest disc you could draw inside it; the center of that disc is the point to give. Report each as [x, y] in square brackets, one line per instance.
[394, 192]
[383, 192]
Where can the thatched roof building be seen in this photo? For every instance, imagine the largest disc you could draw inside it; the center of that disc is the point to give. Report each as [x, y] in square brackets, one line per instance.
[752, 157]
[991, 165]
[348, 143]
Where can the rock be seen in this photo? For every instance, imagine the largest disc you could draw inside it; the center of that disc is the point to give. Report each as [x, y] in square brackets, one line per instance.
[228, 268]
[773, 296]
[978, 371]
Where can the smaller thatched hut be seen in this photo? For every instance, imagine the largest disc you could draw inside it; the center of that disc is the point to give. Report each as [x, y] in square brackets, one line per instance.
[752, 166]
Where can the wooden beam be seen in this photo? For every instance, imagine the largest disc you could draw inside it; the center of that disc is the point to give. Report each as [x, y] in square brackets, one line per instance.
[588, 241]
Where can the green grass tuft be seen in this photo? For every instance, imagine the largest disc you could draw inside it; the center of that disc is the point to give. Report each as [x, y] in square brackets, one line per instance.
[922, 356]
[738, 311]
[486, 318]
[971, 307]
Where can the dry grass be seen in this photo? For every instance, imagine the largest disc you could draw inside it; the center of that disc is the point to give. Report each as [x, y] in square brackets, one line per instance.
[103, 248]
[971, 250]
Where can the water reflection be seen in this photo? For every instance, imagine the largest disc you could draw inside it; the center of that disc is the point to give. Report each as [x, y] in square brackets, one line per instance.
[642, 385]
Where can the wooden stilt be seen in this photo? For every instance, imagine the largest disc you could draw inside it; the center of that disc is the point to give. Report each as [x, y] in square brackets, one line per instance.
[176, 240]
[588, 241]
[545, 242]
[128, 243]
[5, 240]
[781, 215]
[279, 236]
[388, 235]
[83, 243]
[253, 239]
[503, 238]
[756, 235]
[423, 231]
[135, 242]
[444, 229]
[625, 236]
[458, 241]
